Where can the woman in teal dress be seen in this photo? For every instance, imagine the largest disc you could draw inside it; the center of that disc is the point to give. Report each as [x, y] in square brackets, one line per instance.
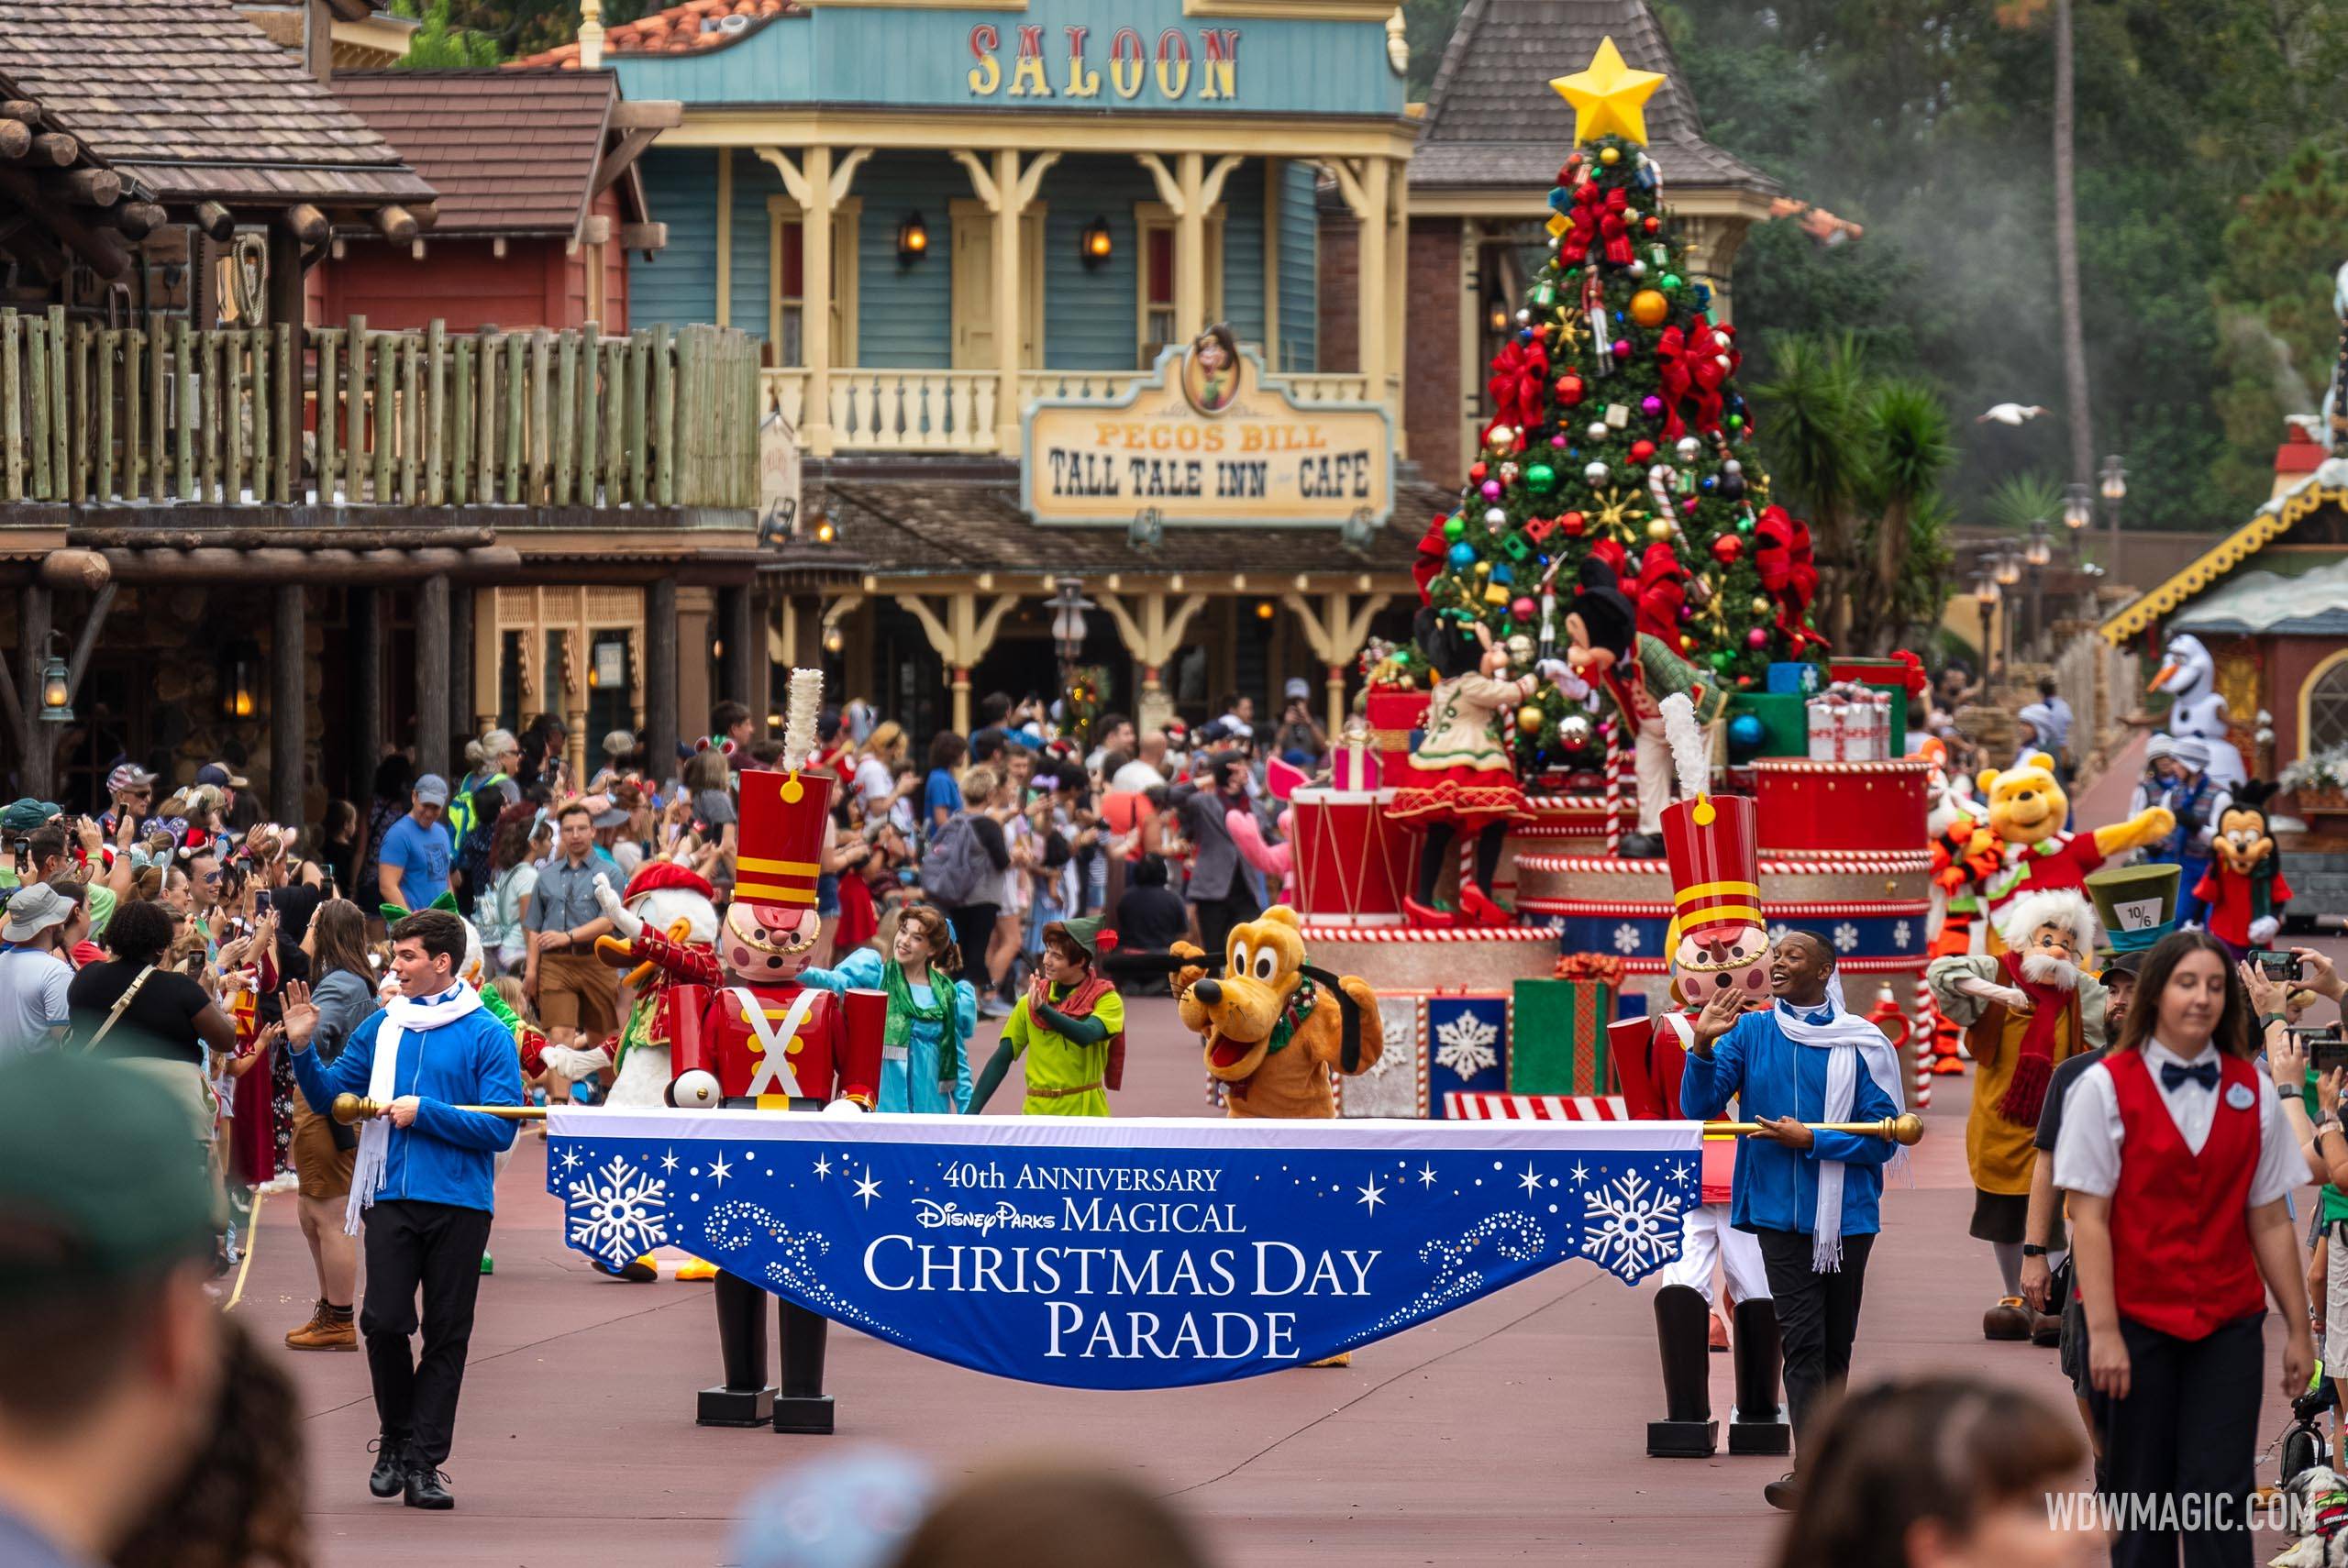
[925, 1055]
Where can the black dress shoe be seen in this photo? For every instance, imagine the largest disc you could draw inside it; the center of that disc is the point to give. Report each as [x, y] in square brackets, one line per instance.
[428, 1487]
[1783, 1493]
[391, 1467]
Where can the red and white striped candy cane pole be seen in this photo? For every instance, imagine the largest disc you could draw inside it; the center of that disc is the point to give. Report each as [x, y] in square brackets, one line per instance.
[1613, 790]
[1922, 1026]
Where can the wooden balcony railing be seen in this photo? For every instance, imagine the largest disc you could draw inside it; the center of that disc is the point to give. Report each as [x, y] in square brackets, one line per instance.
[954, 411]
[160, 413]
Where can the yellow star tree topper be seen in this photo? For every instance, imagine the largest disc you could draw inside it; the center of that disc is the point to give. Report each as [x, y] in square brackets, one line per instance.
[1609, 96]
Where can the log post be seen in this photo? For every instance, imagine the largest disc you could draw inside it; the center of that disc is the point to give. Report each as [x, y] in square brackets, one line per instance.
[432, 676]
[367, 700]
[461, 659]
[289, 707]
[735, 626]
[34, 608]
[660, 678]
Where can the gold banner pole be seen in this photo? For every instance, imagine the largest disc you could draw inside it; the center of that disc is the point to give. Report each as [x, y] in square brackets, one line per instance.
[350, 1108]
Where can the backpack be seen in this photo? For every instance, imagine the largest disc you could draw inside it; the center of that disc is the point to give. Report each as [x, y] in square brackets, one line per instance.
[956, 864]
[475, 827]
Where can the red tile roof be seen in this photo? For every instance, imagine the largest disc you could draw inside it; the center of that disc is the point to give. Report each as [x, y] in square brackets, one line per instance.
[681, 29]
[510, 151]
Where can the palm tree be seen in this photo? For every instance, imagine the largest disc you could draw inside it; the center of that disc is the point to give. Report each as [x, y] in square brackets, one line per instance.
[2067, 252]
[1862, 458]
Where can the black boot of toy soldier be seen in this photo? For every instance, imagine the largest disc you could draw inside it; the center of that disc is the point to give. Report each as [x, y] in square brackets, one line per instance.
[1757, 1424]
[1687, 1429]
[804, 1407]
[744, 1398]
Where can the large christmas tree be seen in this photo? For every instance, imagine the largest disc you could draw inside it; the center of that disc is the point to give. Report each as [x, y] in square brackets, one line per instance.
[1618, 432]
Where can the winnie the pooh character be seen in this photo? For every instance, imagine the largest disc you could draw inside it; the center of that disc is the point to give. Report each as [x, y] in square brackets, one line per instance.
[1273, 1030]
[2024, 810]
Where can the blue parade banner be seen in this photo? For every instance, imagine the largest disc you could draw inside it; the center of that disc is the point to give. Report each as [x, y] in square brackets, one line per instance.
[1132, 1253]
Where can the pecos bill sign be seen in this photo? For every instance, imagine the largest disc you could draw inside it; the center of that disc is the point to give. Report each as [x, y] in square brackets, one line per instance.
[1207, 438]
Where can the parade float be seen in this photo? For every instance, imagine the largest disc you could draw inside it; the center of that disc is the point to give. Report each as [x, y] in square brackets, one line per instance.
[1615, 543]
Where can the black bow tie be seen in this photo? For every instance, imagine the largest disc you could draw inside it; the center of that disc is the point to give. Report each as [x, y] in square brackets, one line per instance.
[2205, 1073]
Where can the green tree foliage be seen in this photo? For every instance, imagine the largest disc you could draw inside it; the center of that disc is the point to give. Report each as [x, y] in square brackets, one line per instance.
[2207, 314]
[1862, 455]
[438, 43]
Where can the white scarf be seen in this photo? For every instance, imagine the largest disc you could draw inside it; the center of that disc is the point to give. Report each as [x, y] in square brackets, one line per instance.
[401, 1017]
[1842, 1028]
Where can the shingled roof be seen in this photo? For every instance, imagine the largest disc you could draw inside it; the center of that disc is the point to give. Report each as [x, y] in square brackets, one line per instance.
[944, 526]
[1492, 122]
[195, 102]
[510, 151]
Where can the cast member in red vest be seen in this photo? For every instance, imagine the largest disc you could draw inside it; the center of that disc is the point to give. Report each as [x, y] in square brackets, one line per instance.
[2178, 1161]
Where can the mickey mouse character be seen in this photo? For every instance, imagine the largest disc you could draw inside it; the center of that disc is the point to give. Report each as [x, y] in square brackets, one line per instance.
[2243, 887]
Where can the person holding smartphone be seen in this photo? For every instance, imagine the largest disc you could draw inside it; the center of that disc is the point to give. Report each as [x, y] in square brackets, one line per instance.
[2178, 1159]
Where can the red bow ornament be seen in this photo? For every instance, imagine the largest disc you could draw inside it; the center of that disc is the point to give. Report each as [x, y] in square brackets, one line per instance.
[1581, 224]
[1614, 226]
[1605, 968]
[1520, 383]
[1694, 365]
[1788, 571]
[1660, 594]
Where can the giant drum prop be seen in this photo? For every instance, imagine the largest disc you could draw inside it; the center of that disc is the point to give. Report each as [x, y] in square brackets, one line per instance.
[1353, 861]
[1820, 810]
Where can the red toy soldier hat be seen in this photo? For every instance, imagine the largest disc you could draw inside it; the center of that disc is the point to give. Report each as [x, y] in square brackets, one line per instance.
[654, 876]
[1712, 846]
[781, 838]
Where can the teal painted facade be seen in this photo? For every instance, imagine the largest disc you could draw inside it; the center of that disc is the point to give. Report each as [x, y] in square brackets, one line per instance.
[1300, 268]
[949, 59]
[1092, 314]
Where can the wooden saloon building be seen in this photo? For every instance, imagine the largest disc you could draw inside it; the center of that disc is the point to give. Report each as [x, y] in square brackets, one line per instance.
[292, 542]
[982, 248]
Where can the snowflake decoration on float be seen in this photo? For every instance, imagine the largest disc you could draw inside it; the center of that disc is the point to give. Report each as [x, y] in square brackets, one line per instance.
[619, 1212]
[1777, 933]
[1633, 1225]
[1900, 934]
[1627, 938]
[1846, 937]
[1466, 1045]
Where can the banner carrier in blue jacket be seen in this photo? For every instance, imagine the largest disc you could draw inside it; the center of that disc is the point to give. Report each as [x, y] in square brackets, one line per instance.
[1131, 1254]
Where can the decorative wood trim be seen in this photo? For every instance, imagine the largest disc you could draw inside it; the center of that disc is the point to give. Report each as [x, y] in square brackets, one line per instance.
[723, 310]
[2213, 564]
[981, 181]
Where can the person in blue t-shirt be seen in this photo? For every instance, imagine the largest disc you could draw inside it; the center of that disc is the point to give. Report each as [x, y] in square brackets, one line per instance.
[1808, 1195]
[414, 859]
[941, 795]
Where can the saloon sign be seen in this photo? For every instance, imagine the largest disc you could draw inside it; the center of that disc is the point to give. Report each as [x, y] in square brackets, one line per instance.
[1207, 438]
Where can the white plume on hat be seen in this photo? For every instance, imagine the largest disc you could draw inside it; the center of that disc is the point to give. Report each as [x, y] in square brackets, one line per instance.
[1692, 759]
[802, 708]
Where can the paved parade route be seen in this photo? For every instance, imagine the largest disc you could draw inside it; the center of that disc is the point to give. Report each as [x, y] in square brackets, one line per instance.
[1509, 1430]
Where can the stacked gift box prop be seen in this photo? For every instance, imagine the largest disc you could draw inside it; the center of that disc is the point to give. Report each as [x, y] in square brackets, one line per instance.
[1850, 723]
[1539, 1036]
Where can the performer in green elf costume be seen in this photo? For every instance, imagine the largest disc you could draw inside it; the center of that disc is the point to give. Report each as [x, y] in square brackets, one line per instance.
[1070, 1025]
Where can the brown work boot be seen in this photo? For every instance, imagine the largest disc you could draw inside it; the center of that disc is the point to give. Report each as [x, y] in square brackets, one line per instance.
[330, 1328]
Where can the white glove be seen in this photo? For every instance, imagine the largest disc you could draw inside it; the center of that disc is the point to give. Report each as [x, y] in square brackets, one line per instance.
[570, 1062]
[2006, 996]
[843, 1107]
[2264, 929]
[625, 923]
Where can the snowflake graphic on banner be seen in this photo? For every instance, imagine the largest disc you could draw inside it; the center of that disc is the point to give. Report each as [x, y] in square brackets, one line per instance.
[1467, 1044]
[1846, 937]
[1777, 933]
[1632, 1224]
[618, 1213]
[1627, 938]
[1900, 934]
